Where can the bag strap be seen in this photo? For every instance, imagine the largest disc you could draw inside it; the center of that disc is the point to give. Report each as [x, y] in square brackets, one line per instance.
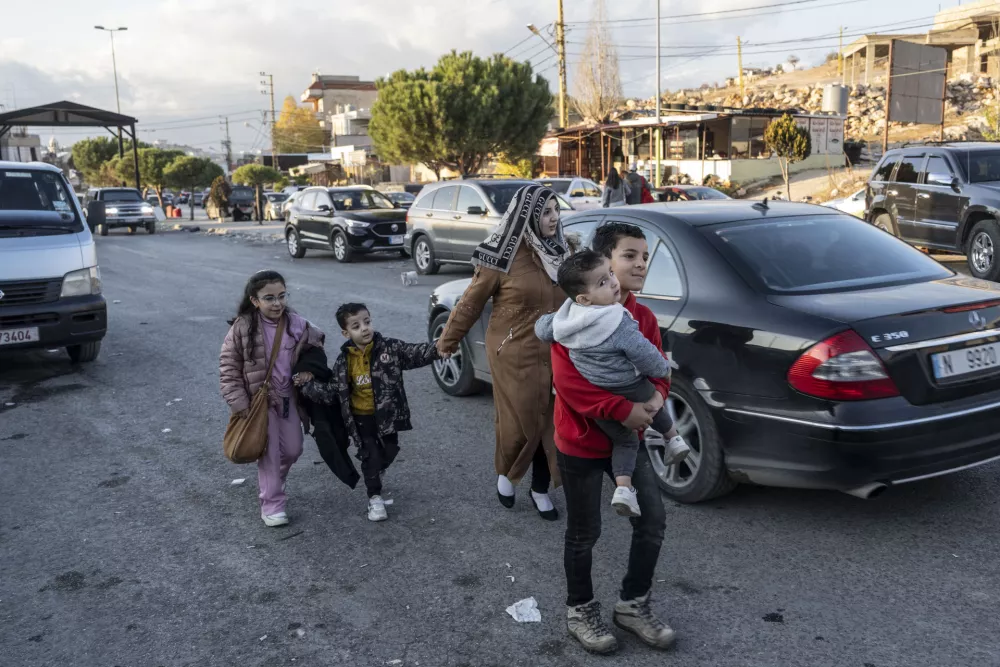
[276, 348]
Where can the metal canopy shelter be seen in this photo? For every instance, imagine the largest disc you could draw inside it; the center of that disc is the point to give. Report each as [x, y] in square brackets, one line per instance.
[71, 114]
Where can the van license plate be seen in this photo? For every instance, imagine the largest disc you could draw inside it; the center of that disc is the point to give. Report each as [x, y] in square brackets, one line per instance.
[969, 360]
[15, 336]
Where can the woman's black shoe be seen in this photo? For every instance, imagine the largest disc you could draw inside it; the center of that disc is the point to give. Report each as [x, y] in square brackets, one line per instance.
[506, 501]
[548, 515]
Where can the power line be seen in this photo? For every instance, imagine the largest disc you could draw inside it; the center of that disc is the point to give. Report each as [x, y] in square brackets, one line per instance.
[701, 14]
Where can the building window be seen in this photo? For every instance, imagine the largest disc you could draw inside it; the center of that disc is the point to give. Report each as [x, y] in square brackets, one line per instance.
[757, 146]
[741, 138]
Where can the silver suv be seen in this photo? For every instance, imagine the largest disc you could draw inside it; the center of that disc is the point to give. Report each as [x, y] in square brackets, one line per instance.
[450, 218]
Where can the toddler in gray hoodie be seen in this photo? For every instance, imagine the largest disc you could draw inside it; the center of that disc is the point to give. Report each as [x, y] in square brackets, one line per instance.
[607, 348]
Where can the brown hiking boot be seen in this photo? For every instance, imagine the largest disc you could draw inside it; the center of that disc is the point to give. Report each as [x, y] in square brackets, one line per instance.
[637, 617]
[585, 623]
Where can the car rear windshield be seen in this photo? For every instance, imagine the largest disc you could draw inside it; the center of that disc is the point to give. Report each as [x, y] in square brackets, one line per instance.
[704, 193]
[242, 193]
[979, 166]
[121, 195]
[562, 187]
[32, 197]
[823, 253]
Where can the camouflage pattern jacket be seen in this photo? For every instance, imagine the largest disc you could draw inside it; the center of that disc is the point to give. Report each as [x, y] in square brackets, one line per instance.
[390, 357]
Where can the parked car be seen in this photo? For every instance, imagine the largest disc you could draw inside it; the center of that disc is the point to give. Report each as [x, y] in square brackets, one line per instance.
[853, 204]
[349, 221]
[687, 193]
[184, 197]
[50, 282]
[814, 351]
[943, 196]
[450, 218]
[274, 205]
[241, 203]
[582, 193]
[204, 197]
[401, 199]
[198, 198]
[123, 207]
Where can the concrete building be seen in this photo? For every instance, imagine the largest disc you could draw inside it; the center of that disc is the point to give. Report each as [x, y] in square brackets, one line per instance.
[334, 94]
[20, 147]
[350, 128]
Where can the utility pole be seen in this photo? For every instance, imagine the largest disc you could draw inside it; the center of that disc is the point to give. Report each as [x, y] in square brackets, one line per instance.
[274, 120]
[114, 65]
[659, 128]
[227, 144]
[840, 57]
[739, 62]
[561, 46]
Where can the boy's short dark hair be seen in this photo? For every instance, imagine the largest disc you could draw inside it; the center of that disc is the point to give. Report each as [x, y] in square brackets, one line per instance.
[607, 236]
[572, 276]
[348, 310]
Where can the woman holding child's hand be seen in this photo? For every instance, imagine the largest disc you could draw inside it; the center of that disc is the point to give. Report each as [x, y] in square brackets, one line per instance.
[516, 267]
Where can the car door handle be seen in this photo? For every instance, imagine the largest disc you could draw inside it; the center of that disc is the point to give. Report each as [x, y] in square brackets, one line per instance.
[894, 192]
[456, 217]
[429, 215]
[923, 195]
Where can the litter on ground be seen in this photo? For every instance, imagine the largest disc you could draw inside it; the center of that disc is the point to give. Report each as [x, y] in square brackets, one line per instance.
[166, 430]
[525, 611]
[237, 482]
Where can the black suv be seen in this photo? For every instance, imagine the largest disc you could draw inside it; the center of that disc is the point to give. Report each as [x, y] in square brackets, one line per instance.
[943, 196]
[123, 207]
[349, 221]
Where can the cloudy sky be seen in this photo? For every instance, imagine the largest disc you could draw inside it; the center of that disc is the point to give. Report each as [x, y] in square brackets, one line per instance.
[183, 63]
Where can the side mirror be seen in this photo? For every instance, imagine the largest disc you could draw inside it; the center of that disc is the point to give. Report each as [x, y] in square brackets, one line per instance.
[956, 185]
[576, 193]
[95, 214]
[476, 210]
[323, 208]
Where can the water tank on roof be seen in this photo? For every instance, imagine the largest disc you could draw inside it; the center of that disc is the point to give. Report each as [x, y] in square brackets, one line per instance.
[835, 99]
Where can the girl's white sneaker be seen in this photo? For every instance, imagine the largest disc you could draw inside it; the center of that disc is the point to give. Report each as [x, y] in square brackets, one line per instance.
[625, 502]
[376, 509]
[677, 451]
[271, 520]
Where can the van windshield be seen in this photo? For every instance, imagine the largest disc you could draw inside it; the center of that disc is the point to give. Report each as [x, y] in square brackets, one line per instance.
[36, 200]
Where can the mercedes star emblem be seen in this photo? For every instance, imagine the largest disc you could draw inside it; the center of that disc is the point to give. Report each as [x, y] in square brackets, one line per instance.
[977, 320]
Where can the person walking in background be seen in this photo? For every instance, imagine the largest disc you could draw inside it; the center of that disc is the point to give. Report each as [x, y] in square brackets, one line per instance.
[243, 364]
[636, 184]
[616, 191]
[517, 267]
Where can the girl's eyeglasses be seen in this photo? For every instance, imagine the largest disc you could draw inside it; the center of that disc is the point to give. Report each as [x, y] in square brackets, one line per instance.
[270, 299]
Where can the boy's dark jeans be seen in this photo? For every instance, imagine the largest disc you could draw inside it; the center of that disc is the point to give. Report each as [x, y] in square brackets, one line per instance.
[583, 481]
[625, 441]
[372, 453]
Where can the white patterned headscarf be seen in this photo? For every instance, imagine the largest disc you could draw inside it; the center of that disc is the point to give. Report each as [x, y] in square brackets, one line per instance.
[521, 222]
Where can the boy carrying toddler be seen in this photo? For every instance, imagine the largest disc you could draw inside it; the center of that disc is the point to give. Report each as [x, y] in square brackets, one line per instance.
[607, 348]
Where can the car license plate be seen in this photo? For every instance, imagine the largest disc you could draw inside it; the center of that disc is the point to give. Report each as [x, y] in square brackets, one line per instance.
[395, 240]
[15, 336]
[969, 360]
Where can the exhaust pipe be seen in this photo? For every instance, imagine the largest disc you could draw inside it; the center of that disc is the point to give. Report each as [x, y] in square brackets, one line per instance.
[867, 491]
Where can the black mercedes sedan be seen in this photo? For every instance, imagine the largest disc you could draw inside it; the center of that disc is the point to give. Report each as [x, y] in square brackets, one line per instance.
[813, 349]
[349, 221]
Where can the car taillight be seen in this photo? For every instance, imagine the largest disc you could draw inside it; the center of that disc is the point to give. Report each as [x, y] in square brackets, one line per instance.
[842, 368]
[971, 306]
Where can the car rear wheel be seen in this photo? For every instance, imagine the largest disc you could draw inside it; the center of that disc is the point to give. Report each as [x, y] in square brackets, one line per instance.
[294, 244]
[84, 353]
[423, 257]
[456, 375]
[341, 249]
[984, 244]
[702, 475]
[885, 222]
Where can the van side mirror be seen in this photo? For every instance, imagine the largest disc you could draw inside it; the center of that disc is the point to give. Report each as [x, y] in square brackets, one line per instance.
[95, 214]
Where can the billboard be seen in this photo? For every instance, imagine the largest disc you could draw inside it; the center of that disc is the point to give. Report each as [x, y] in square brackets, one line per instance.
[916, 86]
[818, 134]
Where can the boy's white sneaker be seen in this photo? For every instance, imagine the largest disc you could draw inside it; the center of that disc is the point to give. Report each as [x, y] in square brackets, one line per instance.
[272, 520]
[677, 451]
[376, 509]
[625, 502]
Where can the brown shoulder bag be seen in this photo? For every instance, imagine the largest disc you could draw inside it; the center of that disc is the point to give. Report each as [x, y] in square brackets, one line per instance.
[246, 438]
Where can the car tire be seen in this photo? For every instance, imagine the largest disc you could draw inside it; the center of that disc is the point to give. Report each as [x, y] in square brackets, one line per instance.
[150, 227]
[982, 251]
[703, 475]
[293, 242]
[885, 222]
[102, 229]
[423, 256]
[341, 248]
[456, 376]
[84, 353]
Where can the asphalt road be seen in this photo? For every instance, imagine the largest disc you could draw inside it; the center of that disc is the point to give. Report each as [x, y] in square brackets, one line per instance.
[124, 544]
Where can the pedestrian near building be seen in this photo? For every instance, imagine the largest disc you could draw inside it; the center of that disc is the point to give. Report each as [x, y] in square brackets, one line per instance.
[585, 459]
[367, 383]
[243, 365]
[616, 191]
[517, 268]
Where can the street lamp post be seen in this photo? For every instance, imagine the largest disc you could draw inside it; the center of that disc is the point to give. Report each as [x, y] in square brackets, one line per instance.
[114, 65]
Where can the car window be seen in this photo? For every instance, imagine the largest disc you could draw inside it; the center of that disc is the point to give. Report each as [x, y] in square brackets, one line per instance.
[322, 198]
[560, 186]
[821, 253]
[581, 231]
[980, 166]
[121, 195]
[501, 194]
[663, 278]
[909, 169]
[444, 198]
[591, 189]
[884, 170]
[937, 171]
[467, 198]
[41, 192]
[306, 201]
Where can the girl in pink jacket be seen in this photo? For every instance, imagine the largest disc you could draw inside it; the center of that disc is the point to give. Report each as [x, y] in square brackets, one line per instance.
[243, 369]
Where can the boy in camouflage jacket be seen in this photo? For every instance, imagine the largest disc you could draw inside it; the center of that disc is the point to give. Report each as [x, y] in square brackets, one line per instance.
[368, 383]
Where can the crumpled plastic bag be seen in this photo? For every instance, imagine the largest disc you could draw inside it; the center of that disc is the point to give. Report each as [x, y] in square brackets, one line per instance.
[525, 611]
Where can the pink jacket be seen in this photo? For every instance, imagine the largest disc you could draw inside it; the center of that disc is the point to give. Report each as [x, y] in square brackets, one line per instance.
[240, 377]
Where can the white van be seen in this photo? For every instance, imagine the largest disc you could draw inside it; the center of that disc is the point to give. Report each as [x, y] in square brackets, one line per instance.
[50, 284]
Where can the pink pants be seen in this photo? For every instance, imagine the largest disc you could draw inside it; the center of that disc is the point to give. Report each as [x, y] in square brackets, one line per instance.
[284, 447]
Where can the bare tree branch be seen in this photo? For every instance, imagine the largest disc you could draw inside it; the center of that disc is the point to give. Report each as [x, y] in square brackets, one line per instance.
[597, 85]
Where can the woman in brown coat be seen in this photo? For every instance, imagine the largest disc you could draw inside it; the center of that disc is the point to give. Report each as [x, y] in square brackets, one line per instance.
[516, 267]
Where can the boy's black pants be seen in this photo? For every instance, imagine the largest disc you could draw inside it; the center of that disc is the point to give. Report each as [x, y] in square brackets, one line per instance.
[376, 452]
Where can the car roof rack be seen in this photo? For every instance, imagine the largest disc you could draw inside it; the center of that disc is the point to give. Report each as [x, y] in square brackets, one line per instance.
[912, 144]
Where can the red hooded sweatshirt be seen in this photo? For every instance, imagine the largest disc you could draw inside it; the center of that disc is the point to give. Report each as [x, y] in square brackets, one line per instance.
[578, 401]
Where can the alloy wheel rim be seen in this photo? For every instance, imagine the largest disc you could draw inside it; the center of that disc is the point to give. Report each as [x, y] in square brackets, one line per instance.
[338, 247]
[982, 252]
[293, 244]
[422, 254]
[447, 371]
[680, 475]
